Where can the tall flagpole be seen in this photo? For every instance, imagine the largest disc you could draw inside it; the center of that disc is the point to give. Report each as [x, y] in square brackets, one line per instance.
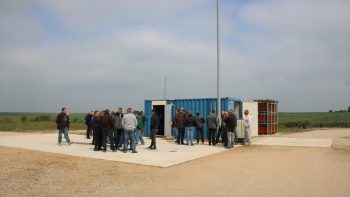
[218, 60]
[165, 80]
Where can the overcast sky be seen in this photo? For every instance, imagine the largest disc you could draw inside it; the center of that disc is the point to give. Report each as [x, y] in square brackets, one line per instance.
[91, 54]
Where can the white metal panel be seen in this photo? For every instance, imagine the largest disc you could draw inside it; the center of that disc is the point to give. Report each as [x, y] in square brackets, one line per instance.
[252, 107]
[167, 120]
[239, 128]
[158, 102]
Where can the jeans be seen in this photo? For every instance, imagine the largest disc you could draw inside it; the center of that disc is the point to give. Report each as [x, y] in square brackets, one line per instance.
[224, 136]
[199, 131]
[118, 137]
[189, 134]
[65, 132]
[211, 137]
[180, 135]
[174, 132]
[219, 134]
[153, 137]
[97, 137]
[129, 134]
[88, 131]
[236, 136]
[139, 136]
[107, 133]
[247, 135]
[230, 139]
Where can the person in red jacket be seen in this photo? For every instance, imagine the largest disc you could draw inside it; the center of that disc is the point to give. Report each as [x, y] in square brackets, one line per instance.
[107, 126]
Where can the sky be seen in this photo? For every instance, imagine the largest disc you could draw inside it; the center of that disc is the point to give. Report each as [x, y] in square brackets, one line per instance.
[90, 54]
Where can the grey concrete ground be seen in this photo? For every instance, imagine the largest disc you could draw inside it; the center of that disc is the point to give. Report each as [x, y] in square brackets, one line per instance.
[167, 154]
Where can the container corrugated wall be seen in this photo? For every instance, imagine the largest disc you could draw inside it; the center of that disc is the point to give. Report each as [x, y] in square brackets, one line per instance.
[148, 113]
[202, 105]
[205, 105]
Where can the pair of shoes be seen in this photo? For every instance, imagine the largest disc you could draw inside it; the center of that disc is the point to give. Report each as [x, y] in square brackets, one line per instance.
[149, 147]
[96, 149]
[114, 150]
[134, 151]
[154, 148]
[69, 143]
[124, 151]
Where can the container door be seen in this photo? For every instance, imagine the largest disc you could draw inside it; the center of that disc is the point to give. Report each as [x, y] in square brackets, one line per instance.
[252, 107]
[240, 129]
[167, 120]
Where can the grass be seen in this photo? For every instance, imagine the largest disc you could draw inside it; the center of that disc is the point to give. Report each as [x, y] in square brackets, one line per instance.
[37, 122]
[288, 122]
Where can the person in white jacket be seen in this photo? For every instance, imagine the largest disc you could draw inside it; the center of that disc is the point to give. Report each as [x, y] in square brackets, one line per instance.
[247, 122]
[129, 123]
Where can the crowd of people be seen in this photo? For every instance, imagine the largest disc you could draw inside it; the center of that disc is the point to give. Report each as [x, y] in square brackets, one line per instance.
[125, 131]
[223, 127]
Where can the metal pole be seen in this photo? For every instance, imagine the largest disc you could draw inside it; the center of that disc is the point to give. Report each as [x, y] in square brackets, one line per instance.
[218, 60]
[165, 78]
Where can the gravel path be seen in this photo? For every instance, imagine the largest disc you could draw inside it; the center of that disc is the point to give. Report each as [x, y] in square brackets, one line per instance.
[246, 171]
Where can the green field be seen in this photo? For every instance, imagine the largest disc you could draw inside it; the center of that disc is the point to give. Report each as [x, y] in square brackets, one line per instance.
[37, 121]
[295, 121]
[287, 121]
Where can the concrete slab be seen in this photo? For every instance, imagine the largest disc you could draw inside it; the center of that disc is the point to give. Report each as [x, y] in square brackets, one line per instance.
[167, 154]
[287, 141]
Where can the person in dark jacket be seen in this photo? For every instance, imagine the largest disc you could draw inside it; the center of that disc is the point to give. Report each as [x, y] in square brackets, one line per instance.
[88, 122]
[118, 128]
[189, 128]
[199, 120]
[62, 122]
[212, 123]
[155, 123]
[231, 124]
[107, 125]
[96, 127]
[180, 125]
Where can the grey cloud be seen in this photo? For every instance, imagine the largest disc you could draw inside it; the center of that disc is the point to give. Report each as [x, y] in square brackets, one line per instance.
[107, 59]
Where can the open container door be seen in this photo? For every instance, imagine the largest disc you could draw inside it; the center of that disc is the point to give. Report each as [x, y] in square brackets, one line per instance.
[167, 120]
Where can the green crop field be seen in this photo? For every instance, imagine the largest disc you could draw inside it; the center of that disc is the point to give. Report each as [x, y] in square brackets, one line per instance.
[287, 121]
[36, 121]
[292, 121]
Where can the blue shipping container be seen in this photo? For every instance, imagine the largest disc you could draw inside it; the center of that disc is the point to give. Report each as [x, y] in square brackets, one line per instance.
[202, 105]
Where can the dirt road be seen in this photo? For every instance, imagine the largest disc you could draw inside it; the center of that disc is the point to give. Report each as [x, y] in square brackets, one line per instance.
[247, 171]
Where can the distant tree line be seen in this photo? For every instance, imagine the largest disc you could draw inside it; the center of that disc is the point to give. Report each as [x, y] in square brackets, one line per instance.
[341, 110]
